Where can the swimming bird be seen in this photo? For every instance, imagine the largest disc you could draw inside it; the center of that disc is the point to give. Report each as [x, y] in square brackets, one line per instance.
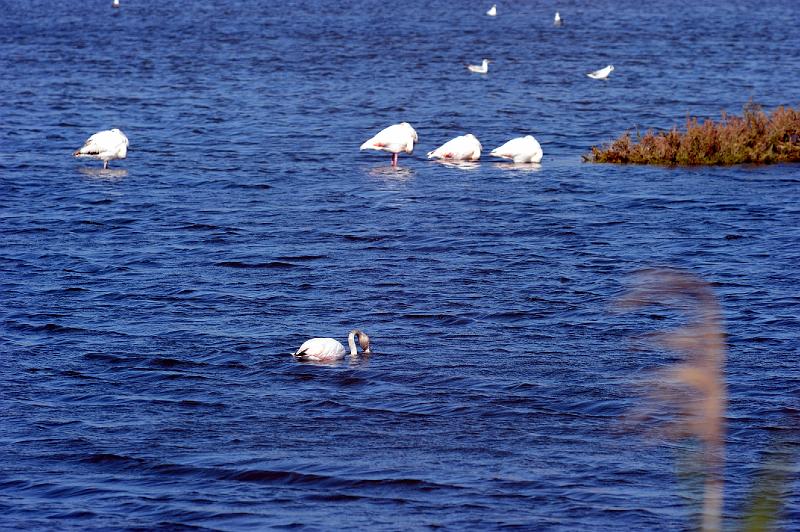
[463, 148]
[330, 349]
[115, 3]
[482, 69]
[492, 11]
[602, 73]
[520, 150]
[394, 139]
[105, 145]
[557, 20]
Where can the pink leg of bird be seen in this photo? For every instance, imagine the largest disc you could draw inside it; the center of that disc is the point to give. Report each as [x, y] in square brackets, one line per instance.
[394, 159]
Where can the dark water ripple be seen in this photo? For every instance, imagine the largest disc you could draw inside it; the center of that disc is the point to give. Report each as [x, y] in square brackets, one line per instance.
[148, 311]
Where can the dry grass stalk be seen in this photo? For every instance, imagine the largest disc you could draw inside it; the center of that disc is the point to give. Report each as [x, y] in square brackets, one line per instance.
[772, 486]
[754, 137]
[688, 398]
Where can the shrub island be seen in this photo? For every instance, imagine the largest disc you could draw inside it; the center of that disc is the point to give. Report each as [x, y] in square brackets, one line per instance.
[755, 137]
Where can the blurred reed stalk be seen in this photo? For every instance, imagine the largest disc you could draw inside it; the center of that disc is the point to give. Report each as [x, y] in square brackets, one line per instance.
[687, 399]
[771, 486]
[755, 137]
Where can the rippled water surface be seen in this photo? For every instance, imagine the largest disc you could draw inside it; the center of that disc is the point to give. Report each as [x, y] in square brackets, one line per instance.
[148, 312]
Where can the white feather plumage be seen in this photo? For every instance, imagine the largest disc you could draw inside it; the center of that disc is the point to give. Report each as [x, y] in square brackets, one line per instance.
[520, 150]
[105, 145]
[463, 148]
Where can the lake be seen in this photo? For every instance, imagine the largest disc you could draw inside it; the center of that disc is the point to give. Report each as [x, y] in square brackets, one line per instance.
[149, 311]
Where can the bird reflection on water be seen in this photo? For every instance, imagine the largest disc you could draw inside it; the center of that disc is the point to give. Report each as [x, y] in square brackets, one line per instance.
[361, 360]
[109, 174]
[392, 172]
[519, 167]
[461, 165]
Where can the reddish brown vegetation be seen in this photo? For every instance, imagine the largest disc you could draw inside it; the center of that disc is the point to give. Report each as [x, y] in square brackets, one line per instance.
[753, 138]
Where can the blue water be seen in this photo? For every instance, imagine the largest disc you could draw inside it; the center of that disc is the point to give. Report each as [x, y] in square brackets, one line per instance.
[147, 312]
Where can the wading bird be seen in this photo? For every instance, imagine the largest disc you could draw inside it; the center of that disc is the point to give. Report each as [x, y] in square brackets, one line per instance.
[105, 145]
[520, 150]
[330, 349]
[463, 148]
[394, 139]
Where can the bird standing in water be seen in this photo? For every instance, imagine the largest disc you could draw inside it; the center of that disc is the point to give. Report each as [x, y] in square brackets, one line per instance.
[105, 145]
[394, 139]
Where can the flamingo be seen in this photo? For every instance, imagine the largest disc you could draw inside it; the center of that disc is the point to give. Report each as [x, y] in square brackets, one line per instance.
[602, 73]
[492, 11]
[520, 150]
[330, 349]
[394, 139]
[483, 68]
[463, 148]
[105, 145]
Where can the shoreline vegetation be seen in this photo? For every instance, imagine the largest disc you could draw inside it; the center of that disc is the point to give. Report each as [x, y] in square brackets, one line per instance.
[756, 137]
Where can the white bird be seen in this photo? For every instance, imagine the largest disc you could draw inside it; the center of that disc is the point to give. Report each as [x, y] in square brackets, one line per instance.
[105, 145]
[330, 349]
[557, 20]
[492, 11]
[520, 150]
[394, 139]
[115, 3]
[463, 148]
[482, 69]
[602, 73]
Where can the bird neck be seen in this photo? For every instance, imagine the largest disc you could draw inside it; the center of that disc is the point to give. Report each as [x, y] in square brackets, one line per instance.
[351, 343]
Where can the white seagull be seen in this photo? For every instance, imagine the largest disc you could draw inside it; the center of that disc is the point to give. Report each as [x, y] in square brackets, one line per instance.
[105, 145]
[482, 69]
[463, 148]
[492, 11]
[394, 139]
[602, 73]
[520, 150]
[115, 3]
[557, 20]
[330, 349]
